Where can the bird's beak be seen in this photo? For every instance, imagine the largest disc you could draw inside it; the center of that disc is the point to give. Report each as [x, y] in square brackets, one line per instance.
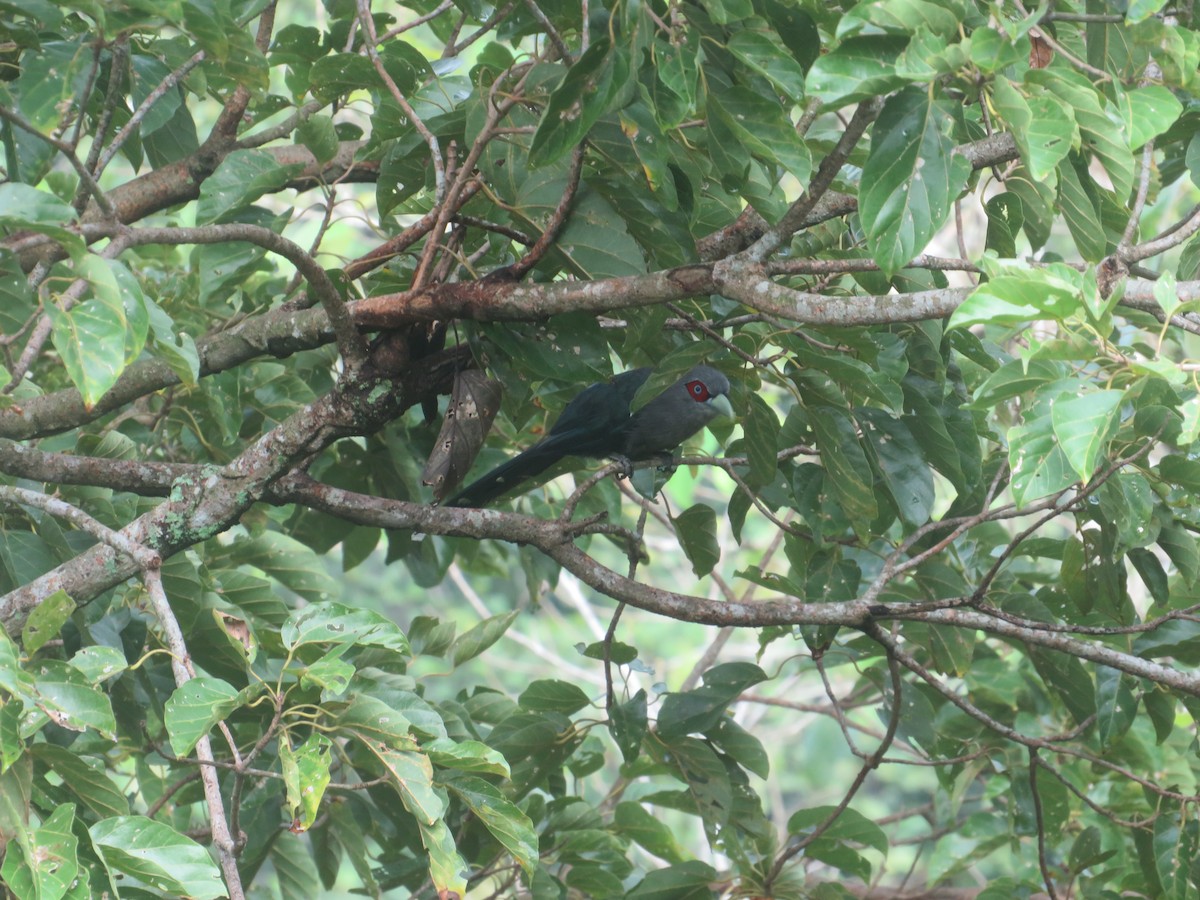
[722, 405]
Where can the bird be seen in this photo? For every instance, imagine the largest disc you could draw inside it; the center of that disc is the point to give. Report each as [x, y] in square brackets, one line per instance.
[597, 423]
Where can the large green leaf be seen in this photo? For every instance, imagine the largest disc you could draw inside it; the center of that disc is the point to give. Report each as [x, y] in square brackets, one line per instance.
[1039, 465]
[333, 623]
[146, 852]
[69, 699]
[1043, 127]
[758, 46]
[196, 707]
[762, 128]
[696, 528]
[507, 823]
[702, 708]
[479, 637]
[856, 69]
[899, 458]
[242, 177]
[901, 17]
[85, 777]
[1104, 134]
[100, 336]
[51, 79]
[1084, 424]
[911, 177]
[849, 473]
[23, 207]
[587, 92]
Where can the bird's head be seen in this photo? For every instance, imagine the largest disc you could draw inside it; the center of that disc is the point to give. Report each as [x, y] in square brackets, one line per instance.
[708, 386]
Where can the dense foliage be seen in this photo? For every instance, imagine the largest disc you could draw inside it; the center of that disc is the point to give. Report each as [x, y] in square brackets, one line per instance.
[251, 256]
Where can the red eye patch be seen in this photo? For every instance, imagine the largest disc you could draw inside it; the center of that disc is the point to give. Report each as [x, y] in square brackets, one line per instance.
[698, 391]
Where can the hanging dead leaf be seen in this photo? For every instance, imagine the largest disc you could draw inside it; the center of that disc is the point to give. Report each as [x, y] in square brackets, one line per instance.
[474, 402]
[1040, 51]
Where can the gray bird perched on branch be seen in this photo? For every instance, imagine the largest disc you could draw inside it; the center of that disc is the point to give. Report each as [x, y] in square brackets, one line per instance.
[598, 423]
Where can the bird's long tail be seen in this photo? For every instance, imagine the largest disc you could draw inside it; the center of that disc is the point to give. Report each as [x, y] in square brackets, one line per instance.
[503, 478]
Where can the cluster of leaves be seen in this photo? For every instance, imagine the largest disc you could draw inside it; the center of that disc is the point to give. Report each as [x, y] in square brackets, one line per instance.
[981, 532]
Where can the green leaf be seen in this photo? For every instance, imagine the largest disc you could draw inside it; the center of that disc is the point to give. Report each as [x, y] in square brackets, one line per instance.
[1043, 126]
[634, 821]
[51, 80]
[850, 826]
[372, 718]
[1160, 707]
[1180, 546]
[628, 723]
[1116, 705]
[1014, 378]
[1147, 112]
[707, 781]
[46, 863]
[911, 177]
[25, 208]
[552, 694]
[98, 337]
[153, 854]
[761, 126]
[343, 73]
[1175, 847]
[1005, 299]
[618, 653]
[99, 663]
[1084, 425]
[473, 642]
[596, 240]
[333, 623]
[726, 12]
[1080, 206]
[856, 69]
[306, 776]
[703, 708]
[757, 45]
[900, 17]
[411, 774]
[67, 697]
[1152, 574]
[1177, 637]
[242, 177]
[899, 457]
[596, 79]
[696, 530]
[46, 620]
[506, 822]
[761, 427]
[1005, 217]
[85, 777]
[741, 746]
[285, 559]
[466, 756]
[1039, 465]
[1102, 133]
[689, 880]
[846, 466]
[196, 707]
[1066, 677]
[317, 133]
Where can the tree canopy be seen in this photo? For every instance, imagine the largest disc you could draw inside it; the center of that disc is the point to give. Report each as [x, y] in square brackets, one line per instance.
[275, 278]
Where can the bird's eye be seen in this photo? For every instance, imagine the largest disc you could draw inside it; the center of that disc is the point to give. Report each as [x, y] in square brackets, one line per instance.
[698, 390]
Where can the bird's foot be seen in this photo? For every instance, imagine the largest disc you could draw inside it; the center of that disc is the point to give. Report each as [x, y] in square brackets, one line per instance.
[626, 465]
[666, 462]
